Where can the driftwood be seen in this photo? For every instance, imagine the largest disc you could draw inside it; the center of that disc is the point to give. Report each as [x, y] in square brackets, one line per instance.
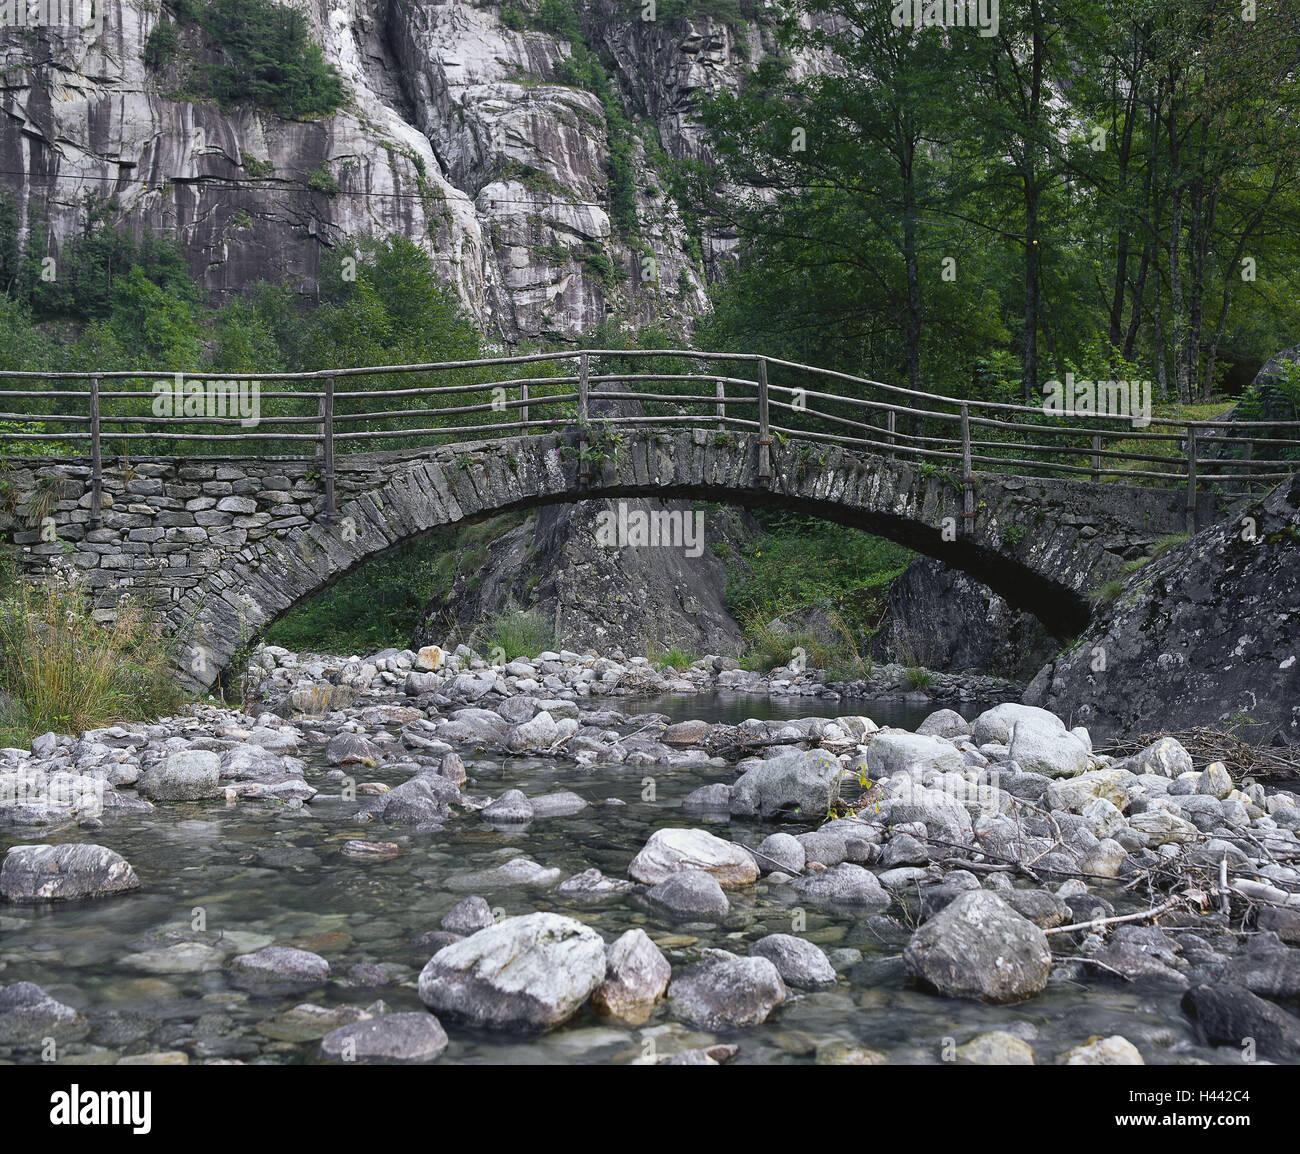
[1208, 745]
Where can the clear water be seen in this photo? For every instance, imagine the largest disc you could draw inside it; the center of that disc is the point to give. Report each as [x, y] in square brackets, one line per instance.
[278, 874]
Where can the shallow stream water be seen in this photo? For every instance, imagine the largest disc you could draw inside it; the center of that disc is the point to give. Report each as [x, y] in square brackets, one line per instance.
[267, 874]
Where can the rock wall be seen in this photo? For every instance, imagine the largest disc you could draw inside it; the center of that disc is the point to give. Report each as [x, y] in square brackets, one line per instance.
[638, 599]
[1207, 634]
[456, 132]
[940, 618]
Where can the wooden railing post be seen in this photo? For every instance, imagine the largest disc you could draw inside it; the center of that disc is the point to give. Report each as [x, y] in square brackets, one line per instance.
[967, 480]
[96, 460]
[891, 417]
[1191, 479]
[523, 409]
[1096, 458]
[764, 426]
[327, 434]
[721, 393]
[583, 438]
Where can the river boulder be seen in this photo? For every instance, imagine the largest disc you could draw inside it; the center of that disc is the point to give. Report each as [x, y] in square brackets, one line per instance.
[979, 947]
[670, 851]
[524, 975]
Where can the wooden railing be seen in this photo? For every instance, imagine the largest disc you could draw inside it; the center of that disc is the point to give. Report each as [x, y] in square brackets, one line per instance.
[118, 414]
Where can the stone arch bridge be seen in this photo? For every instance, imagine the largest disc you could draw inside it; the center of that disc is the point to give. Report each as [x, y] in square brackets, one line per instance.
[223, 546]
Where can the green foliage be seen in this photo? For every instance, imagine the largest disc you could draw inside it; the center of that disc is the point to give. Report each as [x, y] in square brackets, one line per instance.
[161, 47]
[916, 678]
[264, 56]
[61, 670]
[801, 562]
[516, 634]
[322, 180]
[673, 658]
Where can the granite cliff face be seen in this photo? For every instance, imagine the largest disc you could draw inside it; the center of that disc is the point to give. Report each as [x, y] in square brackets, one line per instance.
[457, 132]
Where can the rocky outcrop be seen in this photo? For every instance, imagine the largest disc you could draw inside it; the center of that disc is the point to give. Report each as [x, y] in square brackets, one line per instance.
[459, 132]
[941, 618]
[1206, 634]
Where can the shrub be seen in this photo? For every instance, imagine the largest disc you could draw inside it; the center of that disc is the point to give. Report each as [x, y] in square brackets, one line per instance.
[61, 670]
[516, 634]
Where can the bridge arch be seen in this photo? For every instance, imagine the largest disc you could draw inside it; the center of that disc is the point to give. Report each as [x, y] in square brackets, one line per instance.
[1042, 544]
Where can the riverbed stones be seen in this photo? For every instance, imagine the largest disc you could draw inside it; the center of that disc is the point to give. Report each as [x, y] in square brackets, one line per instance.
[979, 947]
[352, 749]
[843, 885]
[995, 725]
[669, 851]
[726, 993]
[1047, 747]
[523, 974]
[799, 962]
[782, 851]
[188, 775]
[1075, 793]
[278, 969]
[519, 871]
[1215, 781]
[414, 802]
[944, 723]
[796, 783]
[892, 752]
[1227, 1015]
[690, 895]
[511, 808]
[636, 976]
[996, 1048]
[1163, 758]
[1096, 1051]
[41, 873]
[28, 1015]
[407, 1038]
[468, 916]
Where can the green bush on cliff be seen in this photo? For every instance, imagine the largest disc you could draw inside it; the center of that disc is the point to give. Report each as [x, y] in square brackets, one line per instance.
[264, 56]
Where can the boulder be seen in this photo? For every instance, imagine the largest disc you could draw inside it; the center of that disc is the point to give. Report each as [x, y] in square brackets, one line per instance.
[524, 974]
[468, 916]
[797, 783]
[690, 895]
[636, 976]
[1227, 1015]
[1047, 747]
[799, 962]
[28, 1015]
[979, 947]
[42, 873]
[726, 994]
[670, 851]
[1113, 1051]
[843, 885]
[278, 970]
[389, 1038]
[188, 775]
